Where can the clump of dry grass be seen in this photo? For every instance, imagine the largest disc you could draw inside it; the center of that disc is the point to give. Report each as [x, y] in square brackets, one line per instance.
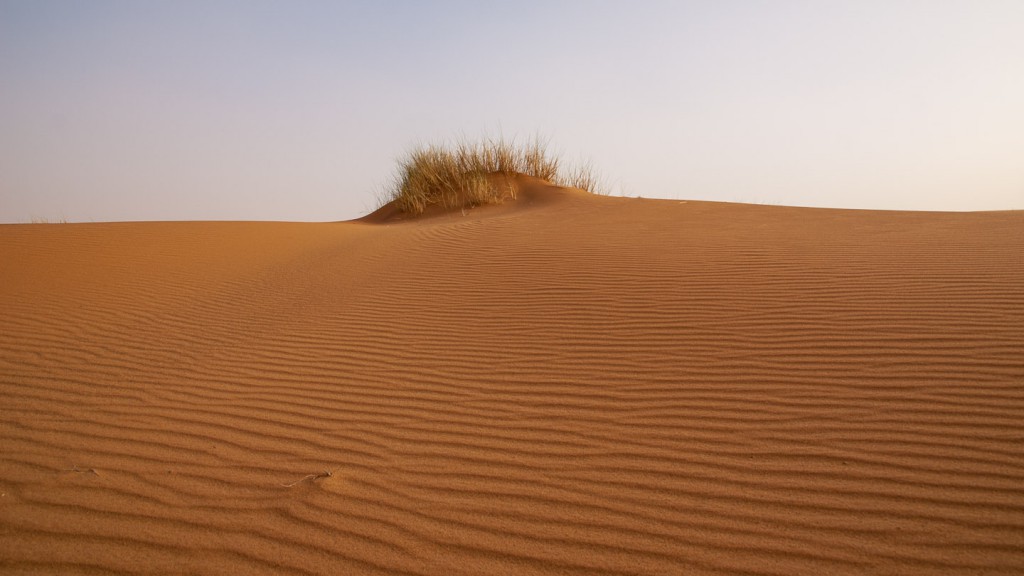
[461, 175]
[44, 220]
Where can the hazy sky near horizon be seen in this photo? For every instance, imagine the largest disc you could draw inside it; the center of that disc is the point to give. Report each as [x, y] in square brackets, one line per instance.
[297, 110]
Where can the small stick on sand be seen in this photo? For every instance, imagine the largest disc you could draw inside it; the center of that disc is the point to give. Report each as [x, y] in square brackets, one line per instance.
[79, 470]
[324, 474]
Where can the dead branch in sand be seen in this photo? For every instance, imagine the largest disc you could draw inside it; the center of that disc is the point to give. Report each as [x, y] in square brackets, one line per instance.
[311, 477]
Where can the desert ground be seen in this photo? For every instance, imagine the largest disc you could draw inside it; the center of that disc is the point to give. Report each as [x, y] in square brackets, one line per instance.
[562, 384]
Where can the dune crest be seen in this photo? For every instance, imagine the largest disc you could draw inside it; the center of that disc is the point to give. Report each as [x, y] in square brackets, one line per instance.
[560, 384]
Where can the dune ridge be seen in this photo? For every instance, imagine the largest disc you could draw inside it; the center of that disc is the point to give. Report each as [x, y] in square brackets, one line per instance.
[562, 384]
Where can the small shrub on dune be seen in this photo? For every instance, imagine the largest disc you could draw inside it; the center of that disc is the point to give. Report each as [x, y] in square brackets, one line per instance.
[45, 220]
[461, 176]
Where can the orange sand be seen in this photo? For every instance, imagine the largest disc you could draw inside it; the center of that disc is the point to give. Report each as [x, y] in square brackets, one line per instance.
[565, 384]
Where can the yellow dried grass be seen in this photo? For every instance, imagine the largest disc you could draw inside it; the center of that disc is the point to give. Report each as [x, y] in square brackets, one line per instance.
[460, 176]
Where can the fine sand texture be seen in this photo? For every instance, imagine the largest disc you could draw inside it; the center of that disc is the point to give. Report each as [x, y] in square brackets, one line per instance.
[562, 384]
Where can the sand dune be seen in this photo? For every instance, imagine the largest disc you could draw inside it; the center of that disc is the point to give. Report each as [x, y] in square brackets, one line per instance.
[565, 384]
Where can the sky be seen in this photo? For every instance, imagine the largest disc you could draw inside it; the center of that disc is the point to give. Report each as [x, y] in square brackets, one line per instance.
[298, 110]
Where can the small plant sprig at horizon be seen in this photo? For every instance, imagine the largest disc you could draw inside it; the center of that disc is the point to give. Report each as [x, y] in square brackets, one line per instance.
[461, 175]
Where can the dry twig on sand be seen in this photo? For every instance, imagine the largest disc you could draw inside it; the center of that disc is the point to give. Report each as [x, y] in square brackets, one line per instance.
[81, 471]
[324, 474]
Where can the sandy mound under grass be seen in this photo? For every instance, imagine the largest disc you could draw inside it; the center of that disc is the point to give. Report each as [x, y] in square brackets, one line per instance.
[562, 384]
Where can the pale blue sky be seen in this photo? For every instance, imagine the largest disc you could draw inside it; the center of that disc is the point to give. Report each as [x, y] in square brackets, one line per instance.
[292, 110]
